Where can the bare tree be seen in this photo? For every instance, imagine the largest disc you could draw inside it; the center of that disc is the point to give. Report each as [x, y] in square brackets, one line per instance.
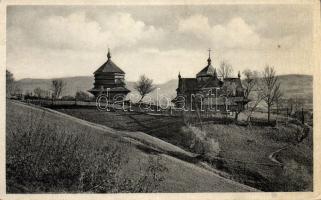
[10, 83]
[250, 81]
[57, 86]
[254, 105]
[270, 88]
[225, 69]
[144, 86]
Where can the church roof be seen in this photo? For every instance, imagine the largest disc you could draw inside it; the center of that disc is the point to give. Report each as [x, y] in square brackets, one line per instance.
[206, 71]
[188, 84]
[209, 69]
[213, 82]
[109, 67]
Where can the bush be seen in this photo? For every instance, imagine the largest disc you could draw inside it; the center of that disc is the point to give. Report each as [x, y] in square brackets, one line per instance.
[82, 96]
[295, 177]
[44, 157]
[68, 98]
[199, 142]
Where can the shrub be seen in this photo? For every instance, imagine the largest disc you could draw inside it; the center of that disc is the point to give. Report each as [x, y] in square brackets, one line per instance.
[199, 142]
[82, 96]
[295, 177]
[68, 98]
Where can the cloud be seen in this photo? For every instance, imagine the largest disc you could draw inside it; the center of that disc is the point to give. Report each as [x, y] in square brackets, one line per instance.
[124, 30]
[77, 31]
[196, 24]
[43, 42]
[235, 34]
[162, 65]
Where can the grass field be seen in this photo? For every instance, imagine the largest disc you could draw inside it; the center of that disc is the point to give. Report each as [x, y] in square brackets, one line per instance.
[162, 127]
[244, 152]
[50, 152]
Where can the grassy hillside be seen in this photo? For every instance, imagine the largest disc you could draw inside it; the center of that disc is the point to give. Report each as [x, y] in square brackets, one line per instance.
[299, 86]
[246, 150]
[156, 126]
[51, 152]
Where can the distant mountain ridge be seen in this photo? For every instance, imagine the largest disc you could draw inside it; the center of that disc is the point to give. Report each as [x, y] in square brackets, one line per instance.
[293, 86]
[73, 84]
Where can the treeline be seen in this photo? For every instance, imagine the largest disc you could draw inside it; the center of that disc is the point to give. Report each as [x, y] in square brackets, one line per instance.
[55, 92]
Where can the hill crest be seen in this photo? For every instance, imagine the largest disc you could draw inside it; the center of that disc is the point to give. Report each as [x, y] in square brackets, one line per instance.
[293, 85]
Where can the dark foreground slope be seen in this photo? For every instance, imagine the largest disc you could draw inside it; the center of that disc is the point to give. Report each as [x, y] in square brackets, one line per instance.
[51, 152]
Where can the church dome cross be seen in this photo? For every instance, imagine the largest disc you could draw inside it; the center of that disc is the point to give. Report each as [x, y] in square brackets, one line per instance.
[209, 57]
[109, 54]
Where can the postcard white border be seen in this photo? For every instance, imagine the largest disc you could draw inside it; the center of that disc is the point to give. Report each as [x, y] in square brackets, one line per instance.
[316, 194]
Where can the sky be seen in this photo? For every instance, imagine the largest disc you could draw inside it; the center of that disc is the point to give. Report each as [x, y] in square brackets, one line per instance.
[157, 40]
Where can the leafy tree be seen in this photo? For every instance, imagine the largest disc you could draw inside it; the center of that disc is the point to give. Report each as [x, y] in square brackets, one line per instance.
[144, 86]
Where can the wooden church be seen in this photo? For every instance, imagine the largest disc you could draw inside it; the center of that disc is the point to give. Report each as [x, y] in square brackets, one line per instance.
[109, 78]
[216, 93]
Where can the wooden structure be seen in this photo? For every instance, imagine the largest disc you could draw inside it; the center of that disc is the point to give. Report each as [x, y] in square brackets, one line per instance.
[109, 78]
[208, 91]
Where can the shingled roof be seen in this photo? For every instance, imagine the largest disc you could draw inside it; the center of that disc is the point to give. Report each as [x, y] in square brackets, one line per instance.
[187, 84]
[213, 82]
[109, 67]
[208, 70]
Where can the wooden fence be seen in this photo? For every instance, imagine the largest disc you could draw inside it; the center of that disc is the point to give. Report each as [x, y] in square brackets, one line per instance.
[262, 122]
[188, 116]
[58, 102]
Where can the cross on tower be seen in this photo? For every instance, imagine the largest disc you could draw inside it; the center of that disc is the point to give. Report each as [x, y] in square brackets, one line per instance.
[108, 54]
[209, 57]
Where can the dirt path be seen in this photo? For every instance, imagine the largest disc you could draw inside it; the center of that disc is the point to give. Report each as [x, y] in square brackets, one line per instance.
[273, 155]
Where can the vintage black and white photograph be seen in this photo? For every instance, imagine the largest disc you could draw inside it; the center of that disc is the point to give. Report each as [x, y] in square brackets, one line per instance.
[159, 98]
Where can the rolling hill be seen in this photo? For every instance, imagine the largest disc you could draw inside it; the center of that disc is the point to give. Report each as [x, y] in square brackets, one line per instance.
[300, 86]
[84, 83]
[139, 148]
[73, 84]
[293, 86]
